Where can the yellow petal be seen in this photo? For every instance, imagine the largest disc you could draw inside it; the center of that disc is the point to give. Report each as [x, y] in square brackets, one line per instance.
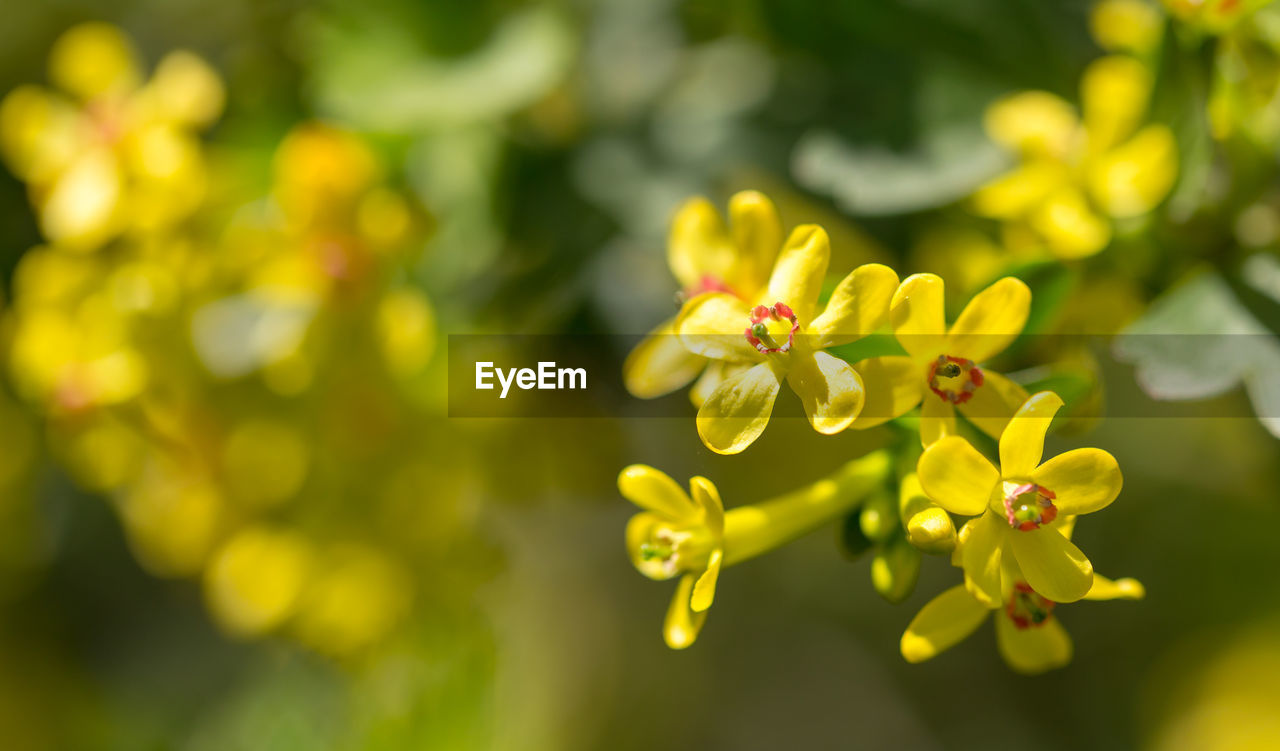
[716, 372]
[704, 591]
[757, 235]
[639, 533]
[40, 132]
[714, 325]
[660, 364]
[893, 386]
[1022, 442]
[1070, 226]
[798, 274]
[942, 623]
[682, 624]
[917, 315]
[186, 89]
[1033, 650]
[707, 497]
[994, 403]
[1126, 25]
[992, 319]
[829, 388]
[858, 306]
[93, 59]
[1032, 122]
[651, 489]
[699, 248]
[1085, 480]
[1052, 564]
[937, 419]
[737, 413]
[1113, 95]
[81, 212]
[980, 552]
[1133, 178]
[956, 476]
[1120, 589]
[1018, 192]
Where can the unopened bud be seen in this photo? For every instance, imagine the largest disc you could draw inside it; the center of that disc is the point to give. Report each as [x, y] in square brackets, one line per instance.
[932, 531]
[895, 569]
[879, 518]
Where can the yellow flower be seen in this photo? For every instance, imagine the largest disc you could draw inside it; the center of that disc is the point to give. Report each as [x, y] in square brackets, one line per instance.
[1028, 633]
[781, 337]
[705, 255]
[111, 155]
[1133, 26]
[1078, 173]
[689, 534]
[1021, 506]
[941, 370]
[1212, 16]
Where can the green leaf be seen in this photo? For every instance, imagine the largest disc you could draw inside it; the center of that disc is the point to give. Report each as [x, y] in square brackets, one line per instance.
[1199, 341]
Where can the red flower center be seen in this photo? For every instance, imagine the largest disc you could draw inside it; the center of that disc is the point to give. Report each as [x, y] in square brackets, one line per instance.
[1028, 608]
[758, 333]
[954, 379]
[1028, 506]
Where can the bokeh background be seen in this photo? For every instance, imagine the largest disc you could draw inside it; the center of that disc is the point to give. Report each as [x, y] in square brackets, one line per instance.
[234, 513]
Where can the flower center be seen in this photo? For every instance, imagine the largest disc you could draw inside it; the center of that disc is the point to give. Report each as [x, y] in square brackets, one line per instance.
[672, 549]
[954, 379]
[769, 325]
[1028, 506]
[1027, 608]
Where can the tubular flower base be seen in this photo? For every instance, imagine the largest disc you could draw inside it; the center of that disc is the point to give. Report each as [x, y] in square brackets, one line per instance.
[942, 369]
[1020, 507]
[691, 536]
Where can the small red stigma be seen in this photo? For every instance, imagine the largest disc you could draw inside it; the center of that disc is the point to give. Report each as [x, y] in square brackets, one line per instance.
[1027, 608]
[759, 338]
[961, 368]
[1026, 516]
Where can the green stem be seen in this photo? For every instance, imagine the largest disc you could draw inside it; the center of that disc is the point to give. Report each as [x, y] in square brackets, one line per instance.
[752, 530]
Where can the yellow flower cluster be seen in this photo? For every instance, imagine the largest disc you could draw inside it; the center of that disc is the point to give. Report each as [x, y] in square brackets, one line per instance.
[221, 380]
[747, 332]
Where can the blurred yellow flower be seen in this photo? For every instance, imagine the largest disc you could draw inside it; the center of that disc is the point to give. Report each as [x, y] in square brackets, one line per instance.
[1212, 16]
[941, 370]
[355, 597]
[109, 154]
[253, 583]
[1021, 505]
[782, 337]
[705, 256]
[1133, 26]
[1078, 173]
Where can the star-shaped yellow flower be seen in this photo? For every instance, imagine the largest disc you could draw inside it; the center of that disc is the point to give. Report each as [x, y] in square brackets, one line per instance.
[942, 370]
[781, 337]
[691, 536]
[1078, 173]
[676, 536]
[110, 154]
[1028, 633]
[706, 256]
[1020, 505]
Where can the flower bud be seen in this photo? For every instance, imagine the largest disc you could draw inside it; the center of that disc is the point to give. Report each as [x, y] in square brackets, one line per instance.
[895, 569]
